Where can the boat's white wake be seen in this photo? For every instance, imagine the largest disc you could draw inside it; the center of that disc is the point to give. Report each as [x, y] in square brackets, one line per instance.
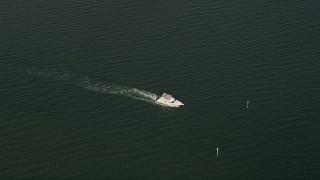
[119, 90]
[93, 85]
[109, 88]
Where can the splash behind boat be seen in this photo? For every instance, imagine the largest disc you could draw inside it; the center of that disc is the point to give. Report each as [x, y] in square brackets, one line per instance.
[168, 100]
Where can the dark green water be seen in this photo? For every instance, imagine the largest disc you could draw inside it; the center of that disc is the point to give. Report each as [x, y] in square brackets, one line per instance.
[78, 80]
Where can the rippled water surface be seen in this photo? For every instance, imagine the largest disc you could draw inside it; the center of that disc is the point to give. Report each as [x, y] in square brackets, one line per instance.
[79, 80]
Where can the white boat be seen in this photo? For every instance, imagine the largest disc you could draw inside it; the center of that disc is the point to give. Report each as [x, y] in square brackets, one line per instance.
[168, 100]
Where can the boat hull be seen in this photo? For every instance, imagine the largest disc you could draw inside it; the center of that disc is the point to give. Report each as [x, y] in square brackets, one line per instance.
[163, 102]
[168, 100]
[168, 104]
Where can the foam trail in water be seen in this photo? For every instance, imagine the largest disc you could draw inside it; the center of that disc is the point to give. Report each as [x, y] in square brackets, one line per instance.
[119, 90]
[93, 85]
[109, 88]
